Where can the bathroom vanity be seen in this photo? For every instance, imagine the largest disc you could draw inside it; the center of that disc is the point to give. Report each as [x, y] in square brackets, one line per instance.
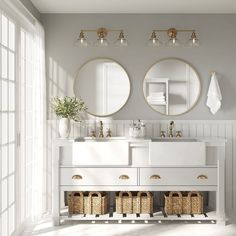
[155, 164]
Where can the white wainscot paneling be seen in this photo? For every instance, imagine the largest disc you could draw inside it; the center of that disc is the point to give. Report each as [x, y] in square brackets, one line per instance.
[190, 128]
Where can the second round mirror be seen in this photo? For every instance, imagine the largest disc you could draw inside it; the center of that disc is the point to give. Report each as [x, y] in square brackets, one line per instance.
[171, 86]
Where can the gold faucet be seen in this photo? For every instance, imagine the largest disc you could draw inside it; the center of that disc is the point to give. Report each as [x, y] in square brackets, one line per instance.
[100, 134]
[171, 129]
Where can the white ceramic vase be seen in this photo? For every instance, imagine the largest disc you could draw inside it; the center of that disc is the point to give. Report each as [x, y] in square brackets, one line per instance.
[64, 127]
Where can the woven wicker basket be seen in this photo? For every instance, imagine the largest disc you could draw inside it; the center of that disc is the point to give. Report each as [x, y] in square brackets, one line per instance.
[143, 203]
[96, 203]
[124, 203]
[76, 203]
[173, 203]
[186, 198]
[196, 203]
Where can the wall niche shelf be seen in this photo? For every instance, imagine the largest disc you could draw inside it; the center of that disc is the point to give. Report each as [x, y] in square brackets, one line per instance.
[162, 85]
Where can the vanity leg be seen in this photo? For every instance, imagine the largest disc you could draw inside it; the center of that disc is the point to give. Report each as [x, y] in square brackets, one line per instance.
[56, 221]
[220, 194]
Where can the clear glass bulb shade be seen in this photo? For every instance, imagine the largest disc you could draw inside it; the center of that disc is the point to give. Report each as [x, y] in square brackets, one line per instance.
[121, 42]
[82, 42]
[193, 42]
[154, 42]
[173, 42]
[101, 42]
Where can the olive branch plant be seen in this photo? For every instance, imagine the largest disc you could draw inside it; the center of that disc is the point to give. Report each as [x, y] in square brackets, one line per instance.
[68, 107]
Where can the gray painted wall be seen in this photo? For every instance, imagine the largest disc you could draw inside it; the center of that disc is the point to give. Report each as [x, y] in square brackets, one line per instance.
[33, 10]
[217, 52]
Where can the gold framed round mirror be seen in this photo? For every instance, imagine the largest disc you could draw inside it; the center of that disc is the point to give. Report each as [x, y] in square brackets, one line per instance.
[104, 86]
[171, 86]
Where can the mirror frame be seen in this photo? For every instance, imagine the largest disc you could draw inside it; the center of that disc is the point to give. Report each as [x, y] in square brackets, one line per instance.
[194, 69]
[106, 58]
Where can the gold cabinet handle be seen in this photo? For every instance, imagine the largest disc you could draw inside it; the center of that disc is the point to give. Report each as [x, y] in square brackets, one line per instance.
[77, 177]
[155, 177]
[124, 177]
[202, 177]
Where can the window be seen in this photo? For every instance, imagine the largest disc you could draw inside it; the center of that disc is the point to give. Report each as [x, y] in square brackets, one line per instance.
[7, 125]
[22, 120]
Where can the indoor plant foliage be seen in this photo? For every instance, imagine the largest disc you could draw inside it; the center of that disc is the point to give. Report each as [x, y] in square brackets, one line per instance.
[67, 109]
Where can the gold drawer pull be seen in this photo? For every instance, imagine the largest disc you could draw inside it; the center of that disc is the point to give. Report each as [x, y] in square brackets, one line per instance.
[155, 177]
[124, 177]
[77, 177]
[202, 177]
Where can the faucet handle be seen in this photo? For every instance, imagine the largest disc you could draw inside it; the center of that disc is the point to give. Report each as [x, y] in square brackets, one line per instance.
[163, 134]
[109, 133]
[93, 134]
[178, 134]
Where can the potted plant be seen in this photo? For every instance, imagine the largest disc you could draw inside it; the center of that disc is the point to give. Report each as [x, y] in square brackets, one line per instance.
[67, 109]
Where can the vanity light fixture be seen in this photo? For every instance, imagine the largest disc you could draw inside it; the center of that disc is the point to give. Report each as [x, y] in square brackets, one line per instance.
[102, 38]
[82, 41]
[172, 41]
[154, 41]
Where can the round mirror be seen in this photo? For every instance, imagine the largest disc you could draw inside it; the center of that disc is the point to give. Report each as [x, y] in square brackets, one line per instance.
[171, 86]
[104, 86]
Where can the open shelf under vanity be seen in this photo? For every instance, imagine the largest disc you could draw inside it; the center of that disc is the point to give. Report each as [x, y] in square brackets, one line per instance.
[158, 215]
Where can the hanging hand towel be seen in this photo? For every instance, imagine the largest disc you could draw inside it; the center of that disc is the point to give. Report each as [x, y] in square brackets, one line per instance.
[214, 96]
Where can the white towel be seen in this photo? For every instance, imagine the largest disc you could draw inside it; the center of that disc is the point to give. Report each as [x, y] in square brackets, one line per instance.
[214, 96]
[157, 94]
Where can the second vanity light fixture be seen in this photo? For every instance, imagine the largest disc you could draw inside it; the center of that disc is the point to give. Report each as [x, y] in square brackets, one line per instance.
[173, 41]
[102, 37]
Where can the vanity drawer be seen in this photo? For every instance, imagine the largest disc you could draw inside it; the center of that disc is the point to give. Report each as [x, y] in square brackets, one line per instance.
[178, 176]
[98, 176]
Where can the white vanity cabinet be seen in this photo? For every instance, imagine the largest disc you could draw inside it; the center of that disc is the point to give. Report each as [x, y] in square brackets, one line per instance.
[133, 171]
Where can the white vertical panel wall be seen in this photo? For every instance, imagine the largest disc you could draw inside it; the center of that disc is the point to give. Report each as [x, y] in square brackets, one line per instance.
[190, 128]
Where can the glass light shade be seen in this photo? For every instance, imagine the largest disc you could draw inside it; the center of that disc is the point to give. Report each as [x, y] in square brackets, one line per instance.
[101, 42]
[121, 42]
[154, 42]
[193, 42]
[81, 42]
[173, 42]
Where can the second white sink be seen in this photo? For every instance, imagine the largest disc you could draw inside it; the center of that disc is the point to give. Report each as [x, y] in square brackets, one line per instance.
[177, 152]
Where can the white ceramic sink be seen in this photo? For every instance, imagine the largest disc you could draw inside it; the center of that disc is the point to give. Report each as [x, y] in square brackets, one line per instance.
[177, 152]
[101, 151]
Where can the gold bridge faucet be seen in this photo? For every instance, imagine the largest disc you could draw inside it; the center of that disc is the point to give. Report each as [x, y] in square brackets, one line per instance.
[100, 134]
[171, 129]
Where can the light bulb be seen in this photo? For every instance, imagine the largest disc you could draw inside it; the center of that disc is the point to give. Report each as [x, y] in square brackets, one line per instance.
[154, 41]
[81, 41]
[173, 42]
[193, 41]
[121, 41]
[101, 42]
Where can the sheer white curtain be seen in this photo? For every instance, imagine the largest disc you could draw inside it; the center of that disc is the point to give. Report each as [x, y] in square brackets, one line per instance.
[32, 125]
[22, 117]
